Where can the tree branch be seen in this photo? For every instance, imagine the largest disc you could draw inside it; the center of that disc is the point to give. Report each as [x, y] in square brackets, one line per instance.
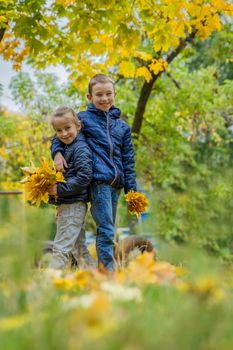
[2, 32]
[174, 81]
[147, 87]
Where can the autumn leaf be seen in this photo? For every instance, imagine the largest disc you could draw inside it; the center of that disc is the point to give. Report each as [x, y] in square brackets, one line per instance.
[144, 72]
[137, 202]
[38, 180]
[158, 66]
[127, 69]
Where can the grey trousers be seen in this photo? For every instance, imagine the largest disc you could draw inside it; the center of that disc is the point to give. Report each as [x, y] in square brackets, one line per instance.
[70, 236]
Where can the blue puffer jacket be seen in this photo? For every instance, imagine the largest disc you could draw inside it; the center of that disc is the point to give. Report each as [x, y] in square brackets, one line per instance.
[110, 140]
[79, 173]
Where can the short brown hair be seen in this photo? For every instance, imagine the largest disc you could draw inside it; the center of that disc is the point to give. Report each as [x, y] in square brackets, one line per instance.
[64, 110]
[99, 78]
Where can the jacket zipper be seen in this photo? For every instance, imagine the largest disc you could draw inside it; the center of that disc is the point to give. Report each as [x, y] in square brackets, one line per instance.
[111, 148]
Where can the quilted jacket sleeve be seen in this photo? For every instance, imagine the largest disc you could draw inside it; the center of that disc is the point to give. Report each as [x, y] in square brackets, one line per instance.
[128, 162]
[56, 146]
[83, 173]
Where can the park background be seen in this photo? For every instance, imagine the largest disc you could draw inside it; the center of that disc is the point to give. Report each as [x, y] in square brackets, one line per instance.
[173, 68]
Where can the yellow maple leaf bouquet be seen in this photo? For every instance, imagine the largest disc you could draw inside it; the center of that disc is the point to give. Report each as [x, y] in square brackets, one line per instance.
[38, 180]
[137, 202]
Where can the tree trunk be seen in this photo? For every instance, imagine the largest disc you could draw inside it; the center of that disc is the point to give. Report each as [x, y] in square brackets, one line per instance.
[147, 88]
[142, 102]
[2, 32]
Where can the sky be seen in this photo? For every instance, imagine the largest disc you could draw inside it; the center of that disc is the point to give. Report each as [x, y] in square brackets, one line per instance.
[6, 74]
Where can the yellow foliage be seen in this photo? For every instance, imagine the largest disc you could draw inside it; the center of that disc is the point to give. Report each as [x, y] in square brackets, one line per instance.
[3, 20]
[83, 278]
[3, 152]
[144, 72]
[13, 322]
[143, 55]
[65, 3]
[127, 69]
[204, 287]
[63, 283]
[144, 269]
[109, 39]
[158, 66]
[161, 42]
[9, 185]
[11, 49]
[38, 180]
[137, 202]
[92, 250]
[124, 52]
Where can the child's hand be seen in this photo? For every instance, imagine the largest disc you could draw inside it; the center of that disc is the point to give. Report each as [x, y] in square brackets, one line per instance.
[60, 162]
[52, 190]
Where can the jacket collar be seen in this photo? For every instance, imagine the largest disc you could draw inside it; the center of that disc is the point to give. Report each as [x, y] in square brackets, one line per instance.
[113, 111]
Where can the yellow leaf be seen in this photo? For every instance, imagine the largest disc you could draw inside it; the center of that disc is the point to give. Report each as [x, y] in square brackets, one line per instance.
[13, 322]
[179, 31]
[157, 45]
[137, 202]
[127, 69]
[158, 66]
[30, 169]
[124, 53]
[143, 55]
[144, 72]
[38, 180]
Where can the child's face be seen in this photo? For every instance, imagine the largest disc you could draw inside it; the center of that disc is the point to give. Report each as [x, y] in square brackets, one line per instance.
[65, 128]
[102, 96]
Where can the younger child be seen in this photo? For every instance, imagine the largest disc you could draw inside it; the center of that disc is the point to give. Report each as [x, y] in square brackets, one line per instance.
[71, 197]
[110, 140]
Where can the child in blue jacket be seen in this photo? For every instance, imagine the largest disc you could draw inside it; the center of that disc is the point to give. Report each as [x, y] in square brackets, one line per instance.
[109, 138]
[71, 197]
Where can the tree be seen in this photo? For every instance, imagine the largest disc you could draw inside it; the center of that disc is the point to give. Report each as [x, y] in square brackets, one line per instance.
[217, 51]
[39, 96]
[129, 39]
[1, 92]
[26, 137]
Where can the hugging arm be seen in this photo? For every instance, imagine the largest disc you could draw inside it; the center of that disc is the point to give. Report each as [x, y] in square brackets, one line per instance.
[83, 170]
[57, 151]
[56, 146]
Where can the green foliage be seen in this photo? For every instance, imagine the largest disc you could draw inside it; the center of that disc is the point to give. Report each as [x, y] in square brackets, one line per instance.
[216, 51]
[201, 213]
[26, 138]
[41, 95]
[23, 231]
[184, 156]
[184, 152]
[184, 160]
[178, 122]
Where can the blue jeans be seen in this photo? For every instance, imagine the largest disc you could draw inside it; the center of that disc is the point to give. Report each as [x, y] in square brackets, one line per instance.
[104, 200]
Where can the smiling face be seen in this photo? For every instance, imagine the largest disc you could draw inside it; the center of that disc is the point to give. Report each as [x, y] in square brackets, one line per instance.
[102, 95]
[66, 129]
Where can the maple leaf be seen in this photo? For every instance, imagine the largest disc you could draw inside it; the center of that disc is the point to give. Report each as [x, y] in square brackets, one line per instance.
[38, 180]
[137, 202]
[127, 69]
[158, 66]
[144, 72]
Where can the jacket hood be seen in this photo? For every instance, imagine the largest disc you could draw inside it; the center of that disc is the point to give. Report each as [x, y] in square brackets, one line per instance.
[113, 111]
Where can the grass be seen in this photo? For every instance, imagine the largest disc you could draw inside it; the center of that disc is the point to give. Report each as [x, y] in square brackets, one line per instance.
[86, 310]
